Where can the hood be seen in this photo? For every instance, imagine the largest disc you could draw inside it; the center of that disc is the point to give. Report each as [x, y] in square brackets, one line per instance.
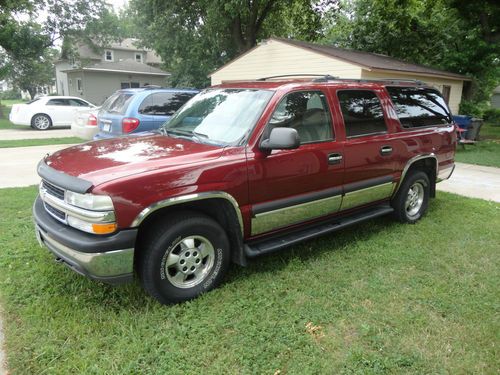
[106, 160]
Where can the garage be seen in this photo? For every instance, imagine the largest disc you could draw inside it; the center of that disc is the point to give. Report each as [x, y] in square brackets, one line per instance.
[279, 56]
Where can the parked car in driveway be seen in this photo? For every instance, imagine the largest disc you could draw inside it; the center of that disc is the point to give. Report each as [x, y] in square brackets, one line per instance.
[47, 111]
[139, 110]
[84, 123]
[243, 169]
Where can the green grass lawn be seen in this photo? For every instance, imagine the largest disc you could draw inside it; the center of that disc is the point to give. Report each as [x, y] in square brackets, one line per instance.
[39, 142]
[4, 121]
[378, 298]
[486, 151]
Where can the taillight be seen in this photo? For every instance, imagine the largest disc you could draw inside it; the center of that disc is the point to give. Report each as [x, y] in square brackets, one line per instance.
[92, 121]
[129, 124]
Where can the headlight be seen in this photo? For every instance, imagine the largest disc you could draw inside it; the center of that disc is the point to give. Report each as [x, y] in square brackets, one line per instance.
[89, 201]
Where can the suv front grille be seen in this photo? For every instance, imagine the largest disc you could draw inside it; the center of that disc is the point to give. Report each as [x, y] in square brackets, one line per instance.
[58, 214]
[53, 190]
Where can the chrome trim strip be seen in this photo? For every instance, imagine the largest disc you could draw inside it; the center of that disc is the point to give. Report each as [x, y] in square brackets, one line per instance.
[104, 264]
[189, 198]
[410, 162]
[79, 213]
[266, 221]
[367, 195]
[445, 173]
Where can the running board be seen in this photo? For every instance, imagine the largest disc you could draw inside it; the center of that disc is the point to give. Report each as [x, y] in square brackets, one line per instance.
[259, 247]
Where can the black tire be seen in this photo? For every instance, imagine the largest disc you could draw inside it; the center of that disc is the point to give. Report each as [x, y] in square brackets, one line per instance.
[41, 121]
[166, 241]
[404, 210]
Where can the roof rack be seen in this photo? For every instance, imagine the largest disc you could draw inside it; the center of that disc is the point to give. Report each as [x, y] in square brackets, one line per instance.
[324, 77]
[328, 77]
[392, 80]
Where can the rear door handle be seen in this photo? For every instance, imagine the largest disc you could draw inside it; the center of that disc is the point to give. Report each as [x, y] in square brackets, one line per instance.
[334, 159]
[386, 150]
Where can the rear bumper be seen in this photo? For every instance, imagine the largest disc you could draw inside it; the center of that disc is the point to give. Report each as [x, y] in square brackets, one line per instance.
[102, 135]
[84, 132]
[108, 259]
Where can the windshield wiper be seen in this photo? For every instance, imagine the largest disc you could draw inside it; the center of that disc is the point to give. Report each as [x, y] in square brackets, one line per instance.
[200, 136]
[186, 133]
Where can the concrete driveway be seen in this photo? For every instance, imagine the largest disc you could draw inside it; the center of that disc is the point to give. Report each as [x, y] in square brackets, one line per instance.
[25, 132]
[474, 181]
[18, 164]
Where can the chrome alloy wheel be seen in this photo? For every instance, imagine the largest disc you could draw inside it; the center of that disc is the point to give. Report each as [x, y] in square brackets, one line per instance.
[190, 261]
[415, 198]
[42, 122]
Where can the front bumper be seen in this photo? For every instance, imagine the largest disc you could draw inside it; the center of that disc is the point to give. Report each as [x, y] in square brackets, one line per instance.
[109, 259]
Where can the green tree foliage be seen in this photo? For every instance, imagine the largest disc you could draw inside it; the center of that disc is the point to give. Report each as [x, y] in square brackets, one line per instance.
[456, 35]
[29, 27]
[32, 75]
[194, 37]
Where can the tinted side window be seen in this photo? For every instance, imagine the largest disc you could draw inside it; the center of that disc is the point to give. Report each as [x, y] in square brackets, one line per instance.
[417, 106]
[77, 103]
[307, 112]
[58, 102]
[362, 112]
[164, 103]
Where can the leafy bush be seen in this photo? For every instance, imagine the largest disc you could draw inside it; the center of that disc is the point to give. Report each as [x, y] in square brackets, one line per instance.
[10, 95]
[492, 115]
[473, 109]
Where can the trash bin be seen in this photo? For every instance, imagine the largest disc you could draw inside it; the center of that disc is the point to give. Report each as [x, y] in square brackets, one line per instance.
[473, 131]
[462, 121]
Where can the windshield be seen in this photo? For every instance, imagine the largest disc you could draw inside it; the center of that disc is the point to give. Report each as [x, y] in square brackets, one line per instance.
[221, 116]
[117, 103]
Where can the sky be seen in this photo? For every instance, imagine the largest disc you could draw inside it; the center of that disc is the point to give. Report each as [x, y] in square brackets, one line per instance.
[118, 4]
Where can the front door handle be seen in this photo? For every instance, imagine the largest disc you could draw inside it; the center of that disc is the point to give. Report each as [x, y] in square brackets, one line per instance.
[386, 150]
[334, 159]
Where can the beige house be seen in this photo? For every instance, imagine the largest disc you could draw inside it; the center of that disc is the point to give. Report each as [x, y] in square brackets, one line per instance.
[277, 56]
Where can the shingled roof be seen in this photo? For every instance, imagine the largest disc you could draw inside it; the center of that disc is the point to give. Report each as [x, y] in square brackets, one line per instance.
[370, 60]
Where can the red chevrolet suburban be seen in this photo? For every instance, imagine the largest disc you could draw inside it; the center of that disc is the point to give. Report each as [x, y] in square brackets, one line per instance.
[243, 169]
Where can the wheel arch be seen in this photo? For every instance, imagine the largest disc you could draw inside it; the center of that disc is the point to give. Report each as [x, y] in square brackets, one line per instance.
[425, 162]
[220, 206]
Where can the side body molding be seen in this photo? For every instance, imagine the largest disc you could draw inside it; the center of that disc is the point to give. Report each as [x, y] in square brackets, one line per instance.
[409, 164]
[189, 198]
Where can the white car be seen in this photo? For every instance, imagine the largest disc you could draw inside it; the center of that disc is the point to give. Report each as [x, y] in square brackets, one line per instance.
[84, 123]
[47, 111]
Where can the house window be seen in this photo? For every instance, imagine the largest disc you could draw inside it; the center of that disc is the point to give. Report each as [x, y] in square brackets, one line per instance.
[446, 93]
[108, 55]
[138, 57]
[128, 85]
[79, 84]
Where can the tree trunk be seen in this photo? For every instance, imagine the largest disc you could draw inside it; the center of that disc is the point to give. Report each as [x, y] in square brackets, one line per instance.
[32, 92]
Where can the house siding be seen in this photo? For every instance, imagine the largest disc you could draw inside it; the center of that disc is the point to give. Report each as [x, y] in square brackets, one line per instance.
[456, 86]
[123, 55]
[62, 78]
[98, 86]
[277, 58]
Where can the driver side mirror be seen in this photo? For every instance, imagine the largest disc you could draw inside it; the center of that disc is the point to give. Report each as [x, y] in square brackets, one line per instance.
[281, 139]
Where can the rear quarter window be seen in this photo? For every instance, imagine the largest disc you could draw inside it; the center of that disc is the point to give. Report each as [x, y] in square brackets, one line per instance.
[418, 106]
[117, 103]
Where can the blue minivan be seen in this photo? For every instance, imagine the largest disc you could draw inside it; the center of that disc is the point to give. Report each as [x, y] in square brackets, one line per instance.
[137, 110]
